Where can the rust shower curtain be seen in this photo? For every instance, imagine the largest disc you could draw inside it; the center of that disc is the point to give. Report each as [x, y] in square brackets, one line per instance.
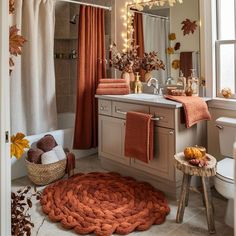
[138, 33]
[91, 68]
[138, 37]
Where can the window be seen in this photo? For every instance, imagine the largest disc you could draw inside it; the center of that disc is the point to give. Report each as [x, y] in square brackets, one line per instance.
[226, 46]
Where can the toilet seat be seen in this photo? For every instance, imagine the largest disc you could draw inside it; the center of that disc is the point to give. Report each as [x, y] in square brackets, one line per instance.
[225, 170]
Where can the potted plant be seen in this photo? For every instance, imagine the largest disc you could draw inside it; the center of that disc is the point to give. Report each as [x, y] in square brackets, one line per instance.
[127, 62]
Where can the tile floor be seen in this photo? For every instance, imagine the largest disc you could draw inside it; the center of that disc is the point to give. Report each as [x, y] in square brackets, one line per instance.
[194, 219]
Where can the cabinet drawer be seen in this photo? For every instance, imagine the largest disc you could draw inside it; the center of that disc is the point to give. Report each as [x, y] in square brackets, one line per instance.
[119, 109]
[167, 116]
[104, 107]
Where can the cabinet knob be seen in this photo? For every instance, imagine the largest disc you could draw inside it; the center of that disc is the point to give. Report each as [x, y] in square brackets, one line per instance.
[101, 108]
[171, 132]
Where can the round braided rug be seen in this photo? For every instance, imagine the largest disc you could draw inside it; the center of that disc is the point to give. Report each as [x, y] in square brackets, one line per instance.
[104, 203]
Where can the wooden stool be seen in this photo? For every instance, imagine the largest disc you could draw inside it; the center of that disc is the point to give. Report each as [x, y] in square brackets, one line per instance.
[204, 172]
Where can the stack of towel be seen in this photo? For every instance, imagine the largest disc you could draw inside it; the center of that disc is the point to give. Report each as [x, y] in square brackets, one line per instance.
[113, 87]
[47, 151]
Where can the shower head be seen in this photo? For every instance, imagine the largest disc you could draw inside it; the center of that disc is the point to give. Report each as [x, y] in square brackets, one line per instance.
[73, 19]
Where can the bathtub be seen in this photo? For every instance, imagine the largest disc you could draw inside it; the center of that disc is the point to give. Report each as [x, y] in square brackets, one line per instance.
[63, 136]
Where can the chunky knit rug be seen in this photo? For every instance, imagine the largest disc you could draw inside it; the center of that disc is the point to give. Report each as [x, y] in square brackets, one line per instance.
[104, 203]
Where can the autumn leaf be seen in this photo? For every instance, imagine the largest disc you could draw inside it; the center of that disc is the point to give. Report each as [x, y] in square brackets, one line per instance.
[172, 36]
[188, 26]
[176, 64]
[170, 50]
[16, 41]
[18, 145]
[11, 6]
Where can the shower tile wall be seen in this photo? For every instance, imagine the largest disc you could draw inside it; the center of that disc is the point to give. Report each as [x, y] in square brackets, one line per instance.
[66, 69]
[66, 39]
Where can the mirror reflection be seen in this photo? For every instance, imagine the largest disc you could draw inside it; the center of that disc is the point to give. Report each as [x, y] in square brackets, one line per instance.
[172, 32]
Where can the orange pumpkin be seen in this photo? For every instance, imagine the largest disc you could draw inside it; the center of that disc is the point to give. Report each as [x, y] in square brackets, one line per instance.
[192, 153]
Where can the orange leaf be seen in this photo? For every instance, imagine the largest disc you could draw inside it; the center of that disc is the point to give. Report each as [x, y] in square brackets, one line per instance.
[16, 41]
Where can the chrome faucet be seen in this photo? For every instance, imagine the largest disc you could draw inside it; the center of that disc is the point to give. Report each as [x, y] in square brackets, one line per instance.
[155, 84]
[168, 80]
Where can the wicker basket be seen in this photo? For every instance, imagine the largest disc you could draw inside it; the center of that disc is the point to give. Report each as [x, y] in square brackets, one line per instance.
[45, 174]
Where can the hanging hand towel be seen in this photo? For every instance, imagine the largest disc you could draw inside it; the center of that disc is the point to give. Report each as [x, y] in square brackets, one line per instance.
[49, 157]
[139, 136]
[194, 107]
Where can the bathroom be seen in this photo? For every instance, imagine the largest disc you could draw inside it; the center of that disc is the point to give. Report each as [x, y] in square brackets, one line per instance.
[43, 96]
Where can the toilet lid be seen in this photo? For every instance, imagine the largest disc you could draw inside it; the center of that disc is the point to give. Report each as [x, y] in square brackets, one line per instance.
[225, 168]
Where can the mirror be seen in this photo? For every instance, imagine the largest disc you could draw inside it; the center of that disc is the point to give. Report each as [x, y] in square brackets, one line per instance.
[159, 28]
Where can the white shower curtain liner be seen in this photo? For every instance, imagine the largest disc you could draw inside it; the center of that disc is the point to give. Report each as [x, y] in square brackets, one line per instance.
[33, 96]
[156, 39]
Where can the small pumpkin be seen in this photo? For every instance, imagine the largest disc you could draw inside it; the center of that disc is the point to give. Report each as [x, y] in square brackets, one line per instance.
[192, 153]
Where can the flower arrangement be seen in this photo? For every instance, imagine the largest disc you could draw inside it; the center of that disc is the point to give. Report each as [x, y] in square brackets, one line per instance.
[151, 62]
[127, 61]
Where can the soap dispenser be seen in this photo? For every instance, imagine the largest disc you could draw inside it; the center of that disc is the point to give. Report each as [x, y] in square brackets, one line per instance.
[194, 81]
[182, 80]
[137, 84]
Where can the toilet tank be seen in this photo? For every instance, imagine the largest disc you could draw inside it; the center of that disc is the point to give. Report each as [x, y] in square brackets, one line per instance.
[227, 135]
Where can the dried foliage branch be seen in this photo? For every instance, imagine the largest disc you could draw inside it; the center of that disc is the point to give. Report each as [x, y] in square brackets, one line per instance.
[151, 62]
[128, 61]
[21, 202]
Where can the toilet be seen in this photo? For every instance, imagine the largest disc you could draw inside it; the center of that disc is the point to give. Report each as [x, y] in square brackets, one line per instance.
[224, 179]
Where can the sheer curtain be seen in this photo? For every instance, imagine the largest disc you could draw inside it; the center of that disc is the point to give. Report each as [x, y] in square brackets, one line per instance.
[33, 97]
[156, 32]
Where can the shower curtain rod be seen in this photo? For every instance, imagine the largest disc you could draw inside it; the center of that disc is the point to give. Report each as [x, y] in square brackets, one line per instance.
[86, 4]
[152, 15]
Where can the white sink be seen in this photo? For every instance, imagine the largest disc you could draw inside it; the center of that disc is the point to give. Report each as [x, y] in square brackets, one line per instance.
[143, 96]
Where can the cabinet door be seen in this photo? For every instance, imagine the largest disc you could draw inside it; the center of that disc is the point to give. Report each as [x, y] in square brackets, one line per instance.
[111, 139]
[164, 148]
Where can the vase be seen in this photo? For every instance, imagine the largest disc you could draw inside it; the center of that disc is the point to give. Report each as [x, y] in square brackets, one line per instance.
[147, 76]
[126, 76]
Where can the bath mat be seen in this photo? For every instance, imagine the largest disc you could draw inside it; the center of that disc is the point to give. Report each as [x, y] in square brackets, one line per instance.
[104, 203]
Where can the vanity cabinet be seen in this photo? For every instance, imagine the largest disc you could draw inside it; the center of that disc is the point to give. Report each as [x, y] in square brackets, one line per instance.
[170, 137]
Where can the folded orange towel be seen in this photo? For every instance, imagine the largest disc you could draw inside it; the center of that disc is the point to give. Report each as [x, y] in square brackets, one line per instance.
[113, 91]
[112, 85]
[139, 136]
[111, 81]
[194, 107]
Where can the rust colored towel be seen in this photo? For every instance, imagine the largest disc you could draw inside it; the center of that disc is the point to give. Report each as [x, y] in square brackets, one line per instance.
[186, 63]
[194, 107]
[112, 85]
[112, 91]
[111, 81]
[139, 136]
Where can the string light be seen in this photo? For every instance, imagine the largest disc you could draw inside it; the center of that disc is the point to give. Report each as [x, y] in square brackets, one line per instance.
[128, 16]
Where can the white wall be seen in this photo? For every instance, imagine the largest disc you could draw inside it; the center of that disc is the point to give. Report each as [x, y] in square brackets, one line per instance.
[188, 9]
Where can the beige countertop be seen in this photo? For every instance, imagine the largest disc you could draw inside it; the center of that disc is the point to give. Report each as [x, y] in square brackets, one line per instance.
[145, 99]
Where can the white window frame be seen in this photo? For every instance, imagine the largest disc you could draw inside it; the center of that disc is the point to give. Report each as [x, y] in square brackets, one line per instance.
[218, 43]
